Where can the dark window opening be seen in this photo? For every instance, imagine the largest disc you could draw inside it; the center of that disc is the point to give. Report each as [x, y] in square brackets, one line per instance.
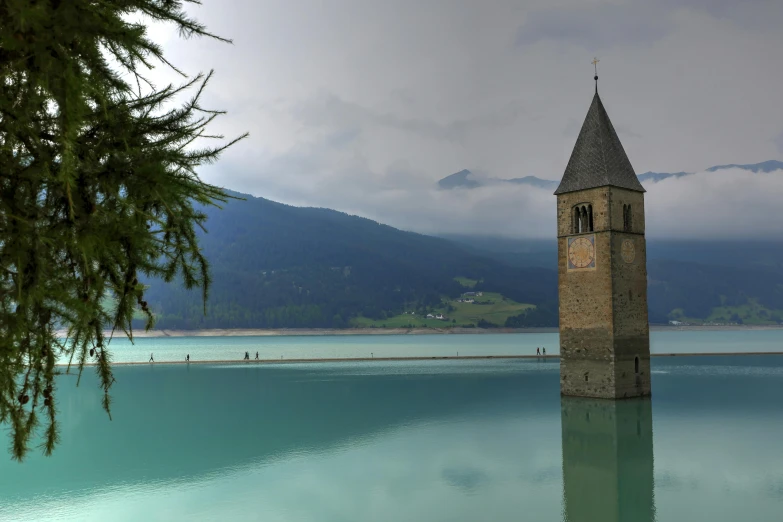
[590, 217]
[582, 219]
[636, 365]
[585, 377]
[627, 217]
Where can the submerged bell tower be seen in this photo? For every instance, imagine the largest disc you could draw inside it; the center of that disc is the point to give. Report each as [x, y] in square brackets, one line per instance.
[602, 267]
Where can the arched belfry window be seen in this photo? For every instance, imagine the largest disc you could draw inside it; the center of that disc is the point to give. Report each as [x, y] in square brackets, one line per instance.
[583, 218]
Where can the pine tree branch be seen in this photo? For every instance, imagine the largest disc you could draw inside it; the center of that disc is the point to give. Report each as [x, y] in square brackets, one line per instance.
[88, 164]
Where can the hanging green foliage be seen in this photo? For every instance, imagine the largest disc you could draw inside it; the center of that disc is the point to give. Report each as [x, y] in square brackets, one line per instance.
[98, 186]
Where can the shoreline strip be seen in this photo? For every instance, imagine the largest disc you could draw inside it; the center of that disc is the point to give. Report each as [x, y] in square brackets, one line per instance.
[410, 358]
[434, 330]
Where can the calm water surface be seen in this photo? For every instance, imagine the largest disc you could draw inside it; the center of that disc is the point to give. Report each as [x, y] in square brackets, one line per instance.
[359, 346]
[419, 441]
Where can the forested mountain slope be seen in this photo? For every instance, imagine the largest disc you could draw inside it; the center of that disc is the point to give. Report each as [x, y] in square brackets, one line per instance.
[720, 281]
[275, 265]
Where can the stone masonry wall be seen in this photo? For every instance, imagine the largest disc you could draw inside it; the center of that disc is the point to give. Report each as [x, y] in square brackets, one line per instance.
[631, 330]
[603, 311]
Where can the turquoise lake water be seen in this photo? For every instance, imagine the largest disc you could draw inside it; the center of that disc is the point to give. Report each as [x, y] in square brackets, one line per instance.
[348, 346]
[444, 440]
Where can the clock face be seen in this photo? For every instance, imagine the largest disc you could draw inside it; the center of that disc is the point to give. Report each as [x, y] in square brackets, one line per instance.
[581, 252]
[628, 251]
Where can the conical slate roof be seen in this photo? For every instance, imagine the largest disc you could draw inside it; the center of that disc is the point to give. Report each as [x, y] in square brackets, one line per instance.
[598, 158]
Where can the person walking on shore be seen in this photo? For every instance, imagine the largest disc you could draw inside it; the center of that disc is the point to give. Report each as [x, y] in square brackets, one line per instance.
[256, 356]
[545, 351]
[152, 359]
[187, 359]
[538, 350]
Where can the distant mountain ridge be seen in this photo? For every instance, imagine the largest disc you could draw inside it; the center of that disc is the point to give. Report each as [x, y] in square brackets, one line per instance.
[458, 179]
[465, 179]
[764, 166]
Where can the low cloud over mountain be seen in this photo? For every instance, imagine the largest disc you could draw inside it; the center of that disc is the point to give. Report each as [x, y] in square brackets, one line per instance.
[722, 202]
[466, 179]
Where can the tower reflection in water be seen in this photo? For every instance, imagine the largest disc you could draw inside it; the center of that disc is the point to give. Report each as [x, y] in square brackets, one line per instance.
[607, 460]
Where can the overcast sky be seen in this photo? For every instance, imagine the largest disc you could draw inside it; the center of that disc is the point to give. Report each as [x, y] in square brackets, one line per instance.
[362, 106]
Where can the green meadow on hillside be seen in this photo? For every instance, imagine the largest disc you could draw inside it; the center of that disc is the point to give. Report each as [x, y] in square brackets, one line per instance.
[490, 307]
[467, 283]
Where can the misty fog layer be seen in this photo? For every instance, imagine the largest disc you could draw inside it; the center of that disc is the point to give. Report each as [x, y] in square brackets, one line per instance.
[726, 204]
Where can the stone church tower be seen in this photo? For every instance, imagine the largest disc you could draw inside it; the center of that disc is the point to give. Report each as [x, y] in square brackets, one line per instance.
[602, 268]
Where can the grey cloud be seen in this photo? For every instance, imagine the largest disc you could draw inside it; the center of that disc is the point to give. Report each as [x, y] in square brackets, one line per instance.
[571, 130]
[333, 112]
[364, 108]
[751, 14]
[624, 132]
[342, 137]
[779, 142]
[600, 27]
[404, 96]
[637, 22]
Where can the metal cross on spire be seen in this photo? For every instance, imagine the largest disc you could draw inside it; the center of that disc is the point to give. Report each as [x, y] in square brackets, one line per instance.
[595, 65]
